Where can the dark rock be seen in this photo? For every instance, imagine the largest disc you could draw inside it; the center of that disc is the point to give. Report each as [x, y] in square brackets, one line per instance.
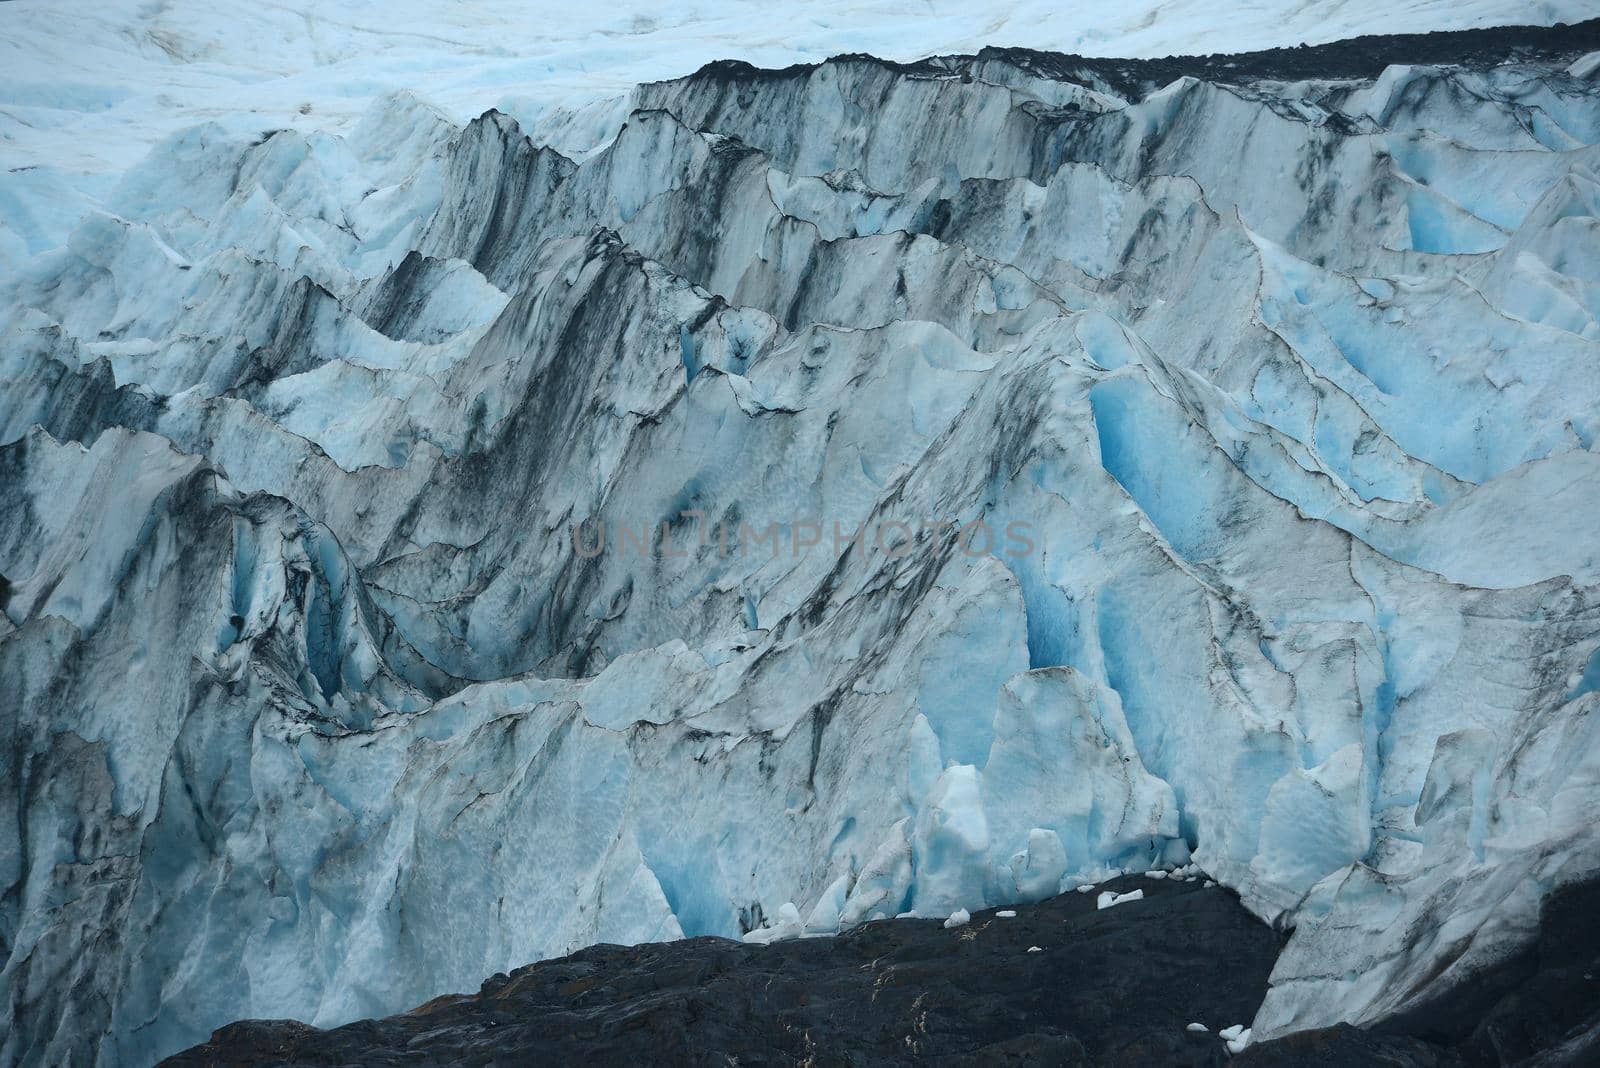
[1345, 1046]
[1354, 57]
[1114, 986]
[1109, 987]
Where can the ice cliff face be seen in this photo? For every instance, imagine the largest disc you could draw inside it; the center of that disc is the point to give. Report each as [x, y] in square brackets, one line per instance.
[1286, 386]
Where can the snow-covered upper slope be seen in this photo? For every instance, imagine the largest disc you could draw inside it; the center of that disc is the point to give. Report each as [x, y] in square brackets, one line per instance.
[87, 89]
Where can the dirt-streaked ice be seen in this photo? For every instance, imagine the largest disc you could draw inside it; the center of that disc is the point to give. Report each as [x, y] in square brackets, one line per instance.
[1279, 400]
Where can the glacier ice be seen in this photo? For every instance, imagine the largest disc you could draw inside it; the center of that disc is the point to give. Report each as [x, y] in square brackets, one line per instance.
[314, 708]
[89, 90]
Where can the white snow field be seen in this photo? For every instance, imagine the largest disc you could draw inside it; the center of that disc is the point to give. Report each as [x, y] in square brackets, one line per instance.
[312, 706]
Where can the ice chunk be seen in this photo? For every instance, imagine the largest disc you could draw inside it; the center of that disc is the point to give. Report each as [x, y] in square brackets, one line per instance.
[1038, 869]
[825, 914]
[787, 925]
[951, 842]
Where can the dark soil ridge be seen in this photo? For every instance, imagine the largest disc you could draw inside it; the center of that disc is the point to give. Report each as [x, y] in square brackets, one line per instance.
[1114, 986]
[1111, 986]
[1352, 58]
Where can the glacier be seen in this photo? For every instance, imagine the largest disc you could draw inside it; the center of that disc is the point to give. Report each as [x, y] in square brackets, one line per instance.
[1287, 366]
[87, 90]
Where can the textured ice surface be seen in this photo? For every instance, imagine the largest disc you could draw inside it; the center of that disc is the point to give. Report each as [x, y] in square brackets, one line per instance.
[86, 90]
[313, 707]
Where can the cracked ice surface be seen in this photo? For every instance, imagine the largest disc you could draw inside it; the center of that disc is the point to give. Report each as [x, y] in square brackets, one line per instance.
[313, 709]
[87, 90]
